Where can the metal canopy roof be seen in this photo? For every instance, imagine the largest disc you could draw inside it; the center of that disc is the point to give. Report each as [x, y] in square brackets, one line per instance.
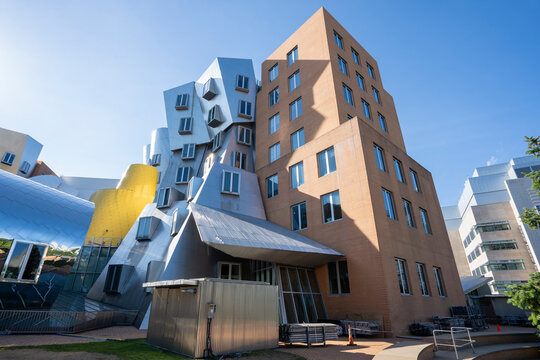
[471, 283]
[252, 238]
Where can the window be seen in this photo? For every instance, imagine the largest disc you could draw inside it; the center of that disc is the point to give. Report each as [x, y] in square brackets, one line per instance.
[239, 160]
[295, 108]
[190, 191]
[403, 280]
[273, 73]
[25, 167]
[244, 135]
[365, 107]
[216, 142]
[349, 117]
[331, 207]
[297, 175]
[274, 123]
[360, 80]
[188, 151]
[408, 213]
[274, 152]
[503, 265]
[163, 197]
[379, 156]
[297, 139]
[299, 216]
[112, 281]
[439, 280]
[244, 109]
[382, 123]
[183, 174]
[355, 56]
[343, 66]
[155, 160]
[294, 81]
[376, 95]
[504, 225]
[327, 162]
[273, 96]
[347, 92]
[174, 223]
[425, 221]
[8, 158]
[242, 83]
[158, 177]
[414, 179]
[421, 269]
[292, 56]
[371, 71]
[230, 271]
[182, 102]
[214, 116]
[230, 183]
[499, 245]
[186, 125]
[399, 170]
[143, 230]
[389, 204]
[25, 261]
[272, 186]
[338, 276]
[338, 39]
[209, 89]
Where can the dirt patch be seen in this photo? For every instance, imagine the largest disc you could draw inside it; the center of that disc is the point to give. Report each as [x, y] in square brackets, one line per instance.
[40, 354]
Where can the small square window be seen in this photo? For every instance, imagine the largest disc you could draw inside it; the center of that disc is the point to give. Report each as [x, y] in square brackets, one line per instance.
[182, 101]
[164, 197]
[297, 139]
[183, 174]
[273, 73]
[188, 151]
[155, 160]
[272, 186]
[244, 109]
[214, 116]
[230, 183]
[230, 271]
[186, 125]
[143, 230]
[209, 90]
[244, 136]
[295, 109]
[338, 39]
[292, 56]
[242, 83]
[294, 81]
[25, 167]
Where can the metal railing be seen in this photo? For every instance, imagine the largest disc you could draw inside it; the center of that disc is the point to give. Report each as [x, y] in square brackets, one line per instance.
[47, 322]
[461, 342]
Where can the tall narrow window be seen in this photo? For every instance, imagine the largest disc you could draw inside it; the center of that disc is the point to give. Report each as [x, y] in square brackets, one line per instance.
[244, 109]
[295, 109]
[425, 221]
[216, 141]
[297, 175]
[371, 71]
[164, 195]
[331, 207]
[274, 123]
[292, 56]
[183, 174]
[274, 152]
[186, 124]
[188, 151]
[389, 204]
[382, 123]
[338, 276]
[242, 83]
[421, 269]
[273, 73]
[403, 279]
[343, 66]
[174, 223]
[355, 56]
[230, 183]
[273, 96]
[379, 157]
[244, 135]
[299, 216]
[294, 81]
[408, 213]
[327, 162]
[376, 95]
[347, 92]
[272, 186]
[297, 139]
[399, 170]
[367, 110]
[338, 39]
[439, 280]
[414, 179]
[360, 80]
[239, 160]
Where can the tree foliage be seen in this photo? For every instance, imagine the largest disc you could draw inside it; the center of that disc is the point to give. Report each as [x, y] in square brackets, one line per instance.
[527, 296]
[531, 217]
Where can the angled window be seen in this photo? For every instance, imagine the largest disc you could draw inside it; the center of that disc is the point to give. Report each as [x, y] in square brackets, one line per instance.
[367, 110]
[297, 175]
[244, 135]
[174, 223]
[407, 208]
[326, 161]
[274, 123]
[382, 123]
[389, 204]
[376, 95]
[347, 92]
[159, 177]
[230, 271]
[214, 116]
[399, 170]
[440, 282]
[273, 73]
[242, 83]
[297, 139]
[274, 152]
[299, 216]
[370, 71]
[338, 39]
[244, 109]
[230, 183]
[186, 125]
[331, 207]
[379, 157]
[343, 66]
[25, 261]
[182, 101]
[295, 108]
[414, 179]
[164, 197]
[355, 56]
[422, 278]
[292, 56]
[273, 96]
[403, 279]
[183, 174]
[216, 142]
[338, 276]
[188, 151]
[360, 80]
[143, 230]
[155, 160]
[8, 158]
[112, 281]
[239, 160]
[272, 186]
[425, 221]
[209, 90]
[294, 81]
[25, 167]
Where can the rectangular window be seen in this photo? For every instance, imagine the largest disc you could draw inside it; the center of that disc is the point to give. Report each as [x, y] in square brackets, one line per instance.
[367, 110]
[338, 39]
[158, 177]
[360, 80]
[214, 116]
[355, 56]
[274, 152]
[239, 160]
[379, 157]
[327, 162]
[174, 223]
[183, 174]
[421, 269]
[338, 276]
[299, 216]
[25, 167]
[297, 175]
[343, 66]
[376, 95]
[143, 230]
[399, 170]
[242, 83]
[244, 135]
[425, 221]
[414, 179]
[331, 207]
[382, 123]
[499, 245]
[292, 56]
[155, 160]
[164, 197]
[230, 271]
[216, 142]
[389, 204]
[209, 90]
[371, 71]
[439, 279]
[294, 81]
[503, 265]
[480, 228]
[182, 101]
[274, 123]
[408, 213]
[273, 73]
[244, 109]
[230, 183]
[295, 109]
[273, 96]
[8, 158]
[347, 92]
[272, 186]
[188, 151]
[403, 279]
[186, 125]
[297, 139]
[112, 281]
[25, 261]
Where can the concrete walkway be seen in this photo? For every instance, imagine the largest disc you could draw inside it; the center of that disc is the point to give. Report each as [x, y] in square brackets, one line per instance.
[467, 353]
[365, 349]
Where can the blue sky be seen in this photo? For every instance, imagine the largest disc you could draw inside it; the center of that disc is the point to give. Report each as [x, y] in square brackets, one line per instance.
[86, 78]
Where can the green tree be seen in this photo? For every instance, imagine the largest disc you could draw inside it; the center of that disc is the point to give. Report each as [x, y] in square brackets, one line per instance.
[531, 217]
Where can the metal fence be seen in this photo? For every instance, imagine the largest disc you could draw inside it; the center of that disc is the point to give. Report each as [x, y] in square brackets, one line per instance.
[47, 322]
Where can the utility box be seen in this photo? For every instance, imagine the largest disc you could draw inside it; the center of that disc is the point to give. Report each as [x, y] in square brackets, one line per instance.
[241, 315]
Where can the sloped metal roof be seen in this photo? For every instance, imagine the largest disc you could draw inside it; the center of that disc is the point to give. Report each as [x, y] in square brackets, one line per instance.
[471, 283]
[252, 238]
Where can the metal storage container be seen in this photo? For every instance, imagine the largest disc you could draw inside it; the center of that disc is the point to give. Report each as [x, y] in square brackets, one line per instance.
[243, 316]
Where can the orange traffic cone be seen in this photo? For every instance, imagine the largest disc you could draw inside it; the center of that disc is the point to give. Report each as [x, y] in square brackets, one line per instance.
[498, 328]
[351, 341]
